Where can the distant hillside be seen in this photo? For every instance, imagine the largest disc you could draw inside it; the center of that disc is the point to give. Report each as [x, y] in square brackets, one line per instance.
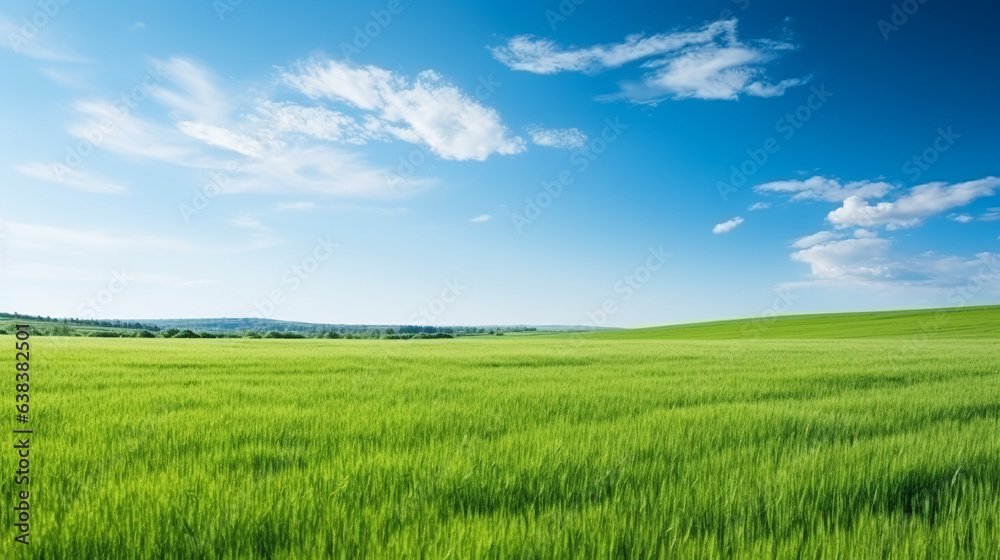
[252, 328]
[969, 322]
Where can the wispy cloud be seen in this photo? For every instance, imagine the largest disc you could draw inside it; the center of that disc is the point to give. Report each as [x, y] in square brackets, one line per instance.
[727, 226]
[74, 178]
[202, 134]
[190, 283]
[481, 218]
[565, 138]
[20, 39]
[822, 188]
[816, 239]
[758, 206]
[249, 222]
[706, 63]
[297, 207]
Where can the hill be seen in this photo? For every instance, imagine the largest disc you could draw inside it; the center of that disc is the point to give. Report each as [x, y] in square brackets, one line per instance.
[955, 322]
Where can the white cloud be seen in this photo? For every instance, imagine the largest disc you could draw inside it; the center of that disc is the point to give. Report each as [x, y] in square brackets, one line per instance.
[297, 207]
[821, 188]
[869, 262]
[133, 136]
[196, 96]
[221, 138]
[816, 239]
[249, 222]
[862, 233]
[427, 110]
[727, 226]
[314, 122]
[566, 138]
[850, 259]
[263, 160]
[190, 283]
[32, 238]
[912, 208]
[481, 218]
[707, 63]
[74, 178]
[20, 39]
[961, 218]
[759, 206]
[543, 56]
[715, 73]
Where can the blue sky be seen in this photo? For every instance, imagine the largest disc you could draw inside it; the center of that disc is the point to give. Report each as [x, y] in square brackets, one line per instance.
[516, 163]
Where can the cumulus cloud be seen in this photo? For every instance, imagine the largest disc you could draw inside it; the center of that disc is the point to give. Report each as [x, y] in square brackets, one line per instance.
[816, 239]
[849, 259]
[870, 262]
[481, 218]
[862, 233]
[727, 226]
[758, 206]
[426, 110]
[822, 188]
[566, 138]
[911, 209]
[706, 63]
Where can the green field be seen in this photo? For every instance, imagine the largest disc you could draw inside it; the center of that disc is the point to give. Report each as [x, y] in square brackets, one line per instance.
[854, 436]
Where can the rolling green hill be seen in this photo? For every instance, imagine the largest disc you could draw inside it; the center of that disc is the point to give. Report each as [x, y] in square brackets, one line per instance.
[970, 322]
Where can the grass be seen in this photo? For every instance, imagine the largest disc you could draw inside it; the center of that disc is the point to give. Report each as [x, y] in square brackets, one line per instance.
[919, 324]
[605, 445]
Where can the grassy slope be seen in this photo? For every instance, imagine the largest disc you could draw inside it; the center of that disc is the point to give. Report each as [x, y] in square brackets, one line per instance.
[503, 447]
[972, 322]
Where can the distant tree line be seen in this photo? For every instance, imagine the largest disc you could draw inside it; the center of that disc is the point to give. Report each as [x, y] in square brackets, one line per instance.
[47, 326]
[112, 324]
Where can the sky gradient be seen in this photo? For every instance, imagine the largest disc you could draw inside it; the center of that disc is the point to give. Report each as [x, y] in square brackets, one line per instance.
[526, 163]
